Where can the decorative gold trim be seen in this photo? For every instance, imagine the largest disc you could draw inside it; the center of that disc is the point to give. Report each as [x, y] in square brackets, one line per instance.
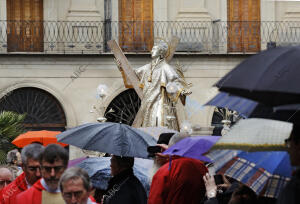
[163, 108]
[175, 99]
[250, 147]
[126, 84]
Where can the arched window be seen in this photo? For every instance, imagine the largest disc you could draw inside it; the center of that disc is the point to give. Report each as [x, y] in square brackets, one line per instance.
[124, 107]
[43, 111]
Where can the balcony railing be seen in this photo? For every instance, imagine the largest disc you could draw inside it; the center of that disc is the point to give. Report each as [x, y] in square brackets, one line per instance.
[213, 37]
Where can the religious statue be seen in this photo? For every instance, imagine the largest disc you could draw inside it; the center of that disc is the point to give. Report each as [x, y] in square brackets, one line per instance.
[162, 86]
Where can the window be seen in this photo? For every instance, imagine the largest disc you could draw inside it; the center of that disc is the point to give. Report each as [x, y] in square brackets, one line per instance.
[43, 111]
[25, 25]
[136, 25]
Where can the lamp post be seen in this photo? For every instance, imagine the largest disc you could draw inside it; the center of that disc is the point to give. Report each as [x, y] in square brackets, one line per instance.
[101, 93]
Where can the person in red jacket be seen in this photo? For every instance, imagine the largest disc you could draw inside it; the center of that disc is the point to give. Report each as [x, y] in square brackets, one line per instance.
[178, 181]
[54, 161]
[31, 173]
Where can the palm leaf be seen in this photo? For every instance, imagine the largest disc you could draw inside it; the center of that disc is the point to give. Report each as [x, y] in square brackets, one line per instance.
[11, 125]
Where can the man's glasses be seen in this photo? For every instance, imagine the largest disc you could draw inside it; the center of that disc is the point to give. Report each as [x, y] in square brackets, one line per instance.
[69, 195]
[57, 169]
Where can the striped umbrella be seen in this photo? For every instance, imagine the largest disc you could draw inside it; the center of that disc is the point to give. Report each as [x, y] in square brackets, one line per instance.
[266, 173]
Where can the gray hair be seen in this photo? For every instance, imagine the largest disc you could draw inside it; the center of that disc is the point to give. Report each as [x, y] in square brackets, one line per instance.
[12, 156]
[163, 48]
[75, 173]
[32, 151]
[177, 137]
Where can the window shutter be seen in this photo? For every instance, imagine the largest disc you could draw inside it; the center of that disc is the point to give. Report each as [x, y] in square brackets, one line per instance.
[243, 25]
[136, 25]
[25, 25]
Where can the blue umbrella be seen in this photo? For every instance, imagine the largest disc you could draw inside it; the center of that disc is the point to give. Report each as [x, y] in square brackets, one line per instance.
[114, 138]
[98, 168]
[242, 105]
[193, 147]
[258, 170]
[252, 109]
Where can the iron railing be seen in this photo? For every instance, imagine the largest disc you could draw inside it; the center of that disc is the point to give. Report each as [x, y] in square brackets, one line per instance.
[214, 37]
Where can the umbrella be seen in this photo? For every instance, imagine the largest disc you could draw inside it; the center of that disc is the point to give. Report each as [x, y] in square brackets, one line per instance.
[266, 173]
[43, 136]
[256, 134]
[271, 77]
[156, 131]
[98, 168]
[242, 105]
[252, 109]
[114, 138]
[74, 162]
[193, 147]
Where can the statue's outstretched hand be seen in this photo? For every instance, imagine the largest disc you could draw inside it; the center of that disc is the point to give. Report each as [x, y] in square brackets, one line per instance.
[118, 63]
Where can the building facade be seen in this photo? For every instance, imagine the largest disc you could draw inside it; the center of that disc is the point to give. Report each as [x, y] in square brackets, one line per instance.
[54, 54]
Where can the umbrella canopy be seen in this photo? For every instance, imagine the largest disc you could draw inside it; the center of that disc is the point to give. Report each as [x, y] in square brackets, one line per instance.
[114, 138]
[242, 105]
[256, 134]
[266, 173]
[271, 77]
[251, 109]
[98, 168]
[44, 137]
[193, 147]
[156, 131]
[76, 161]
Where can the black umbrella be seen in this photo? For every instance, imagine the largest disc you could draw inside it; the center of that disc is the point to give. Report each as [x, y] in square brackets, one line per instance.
[271, 77]
[113, 138]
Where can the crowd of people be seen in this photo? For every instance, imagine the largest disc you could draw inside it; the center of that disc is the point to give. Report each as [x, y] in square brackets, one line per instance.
[41, 175]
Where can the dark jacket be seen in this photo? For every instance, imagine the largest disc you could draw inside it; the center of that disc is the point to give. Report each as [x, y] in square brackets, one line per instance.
[125, 188]
[291, 192]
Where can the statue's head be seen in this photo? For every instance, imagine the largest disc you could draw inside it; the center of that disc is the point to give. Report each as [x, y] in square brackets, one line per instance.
[159, 50]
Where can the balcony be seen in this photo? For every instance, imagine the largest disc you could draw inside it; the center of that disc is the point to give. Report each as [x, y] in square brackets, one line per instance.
[207, 37]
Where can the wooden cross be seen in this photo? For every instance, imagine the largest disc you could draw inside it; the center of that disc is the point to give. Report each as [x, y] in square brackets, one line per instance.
[130, 74]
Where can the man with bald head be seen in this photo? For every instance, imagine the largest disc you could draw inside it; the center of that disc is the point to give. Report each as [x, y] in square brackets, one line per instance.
[6, 177]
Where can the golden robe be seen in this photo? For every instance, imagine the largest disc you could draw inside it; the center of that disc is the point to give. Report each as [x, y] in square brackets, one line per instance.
[157, 103]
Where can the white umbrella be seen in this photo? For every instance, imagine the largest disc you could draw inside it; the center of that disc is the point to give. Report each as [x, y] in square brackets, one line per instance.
[256, 134]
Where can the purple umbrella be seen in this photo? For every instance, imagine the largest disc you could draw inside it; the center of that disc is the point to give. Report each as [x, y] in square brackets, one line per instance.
[193, 147]
[74, 162]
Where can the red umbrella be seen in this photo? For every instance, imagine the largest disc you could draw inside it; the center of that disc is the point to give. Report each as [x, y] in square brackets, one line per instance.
[44, 137]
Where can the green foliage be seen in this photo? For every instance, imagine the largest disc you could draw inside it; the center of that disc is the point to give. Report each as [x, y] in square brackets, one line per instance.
[10, 127]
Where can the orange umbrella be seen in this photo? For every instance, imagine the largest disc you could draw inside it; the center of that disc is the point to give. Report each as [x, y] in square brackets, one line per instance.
[44, 137]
